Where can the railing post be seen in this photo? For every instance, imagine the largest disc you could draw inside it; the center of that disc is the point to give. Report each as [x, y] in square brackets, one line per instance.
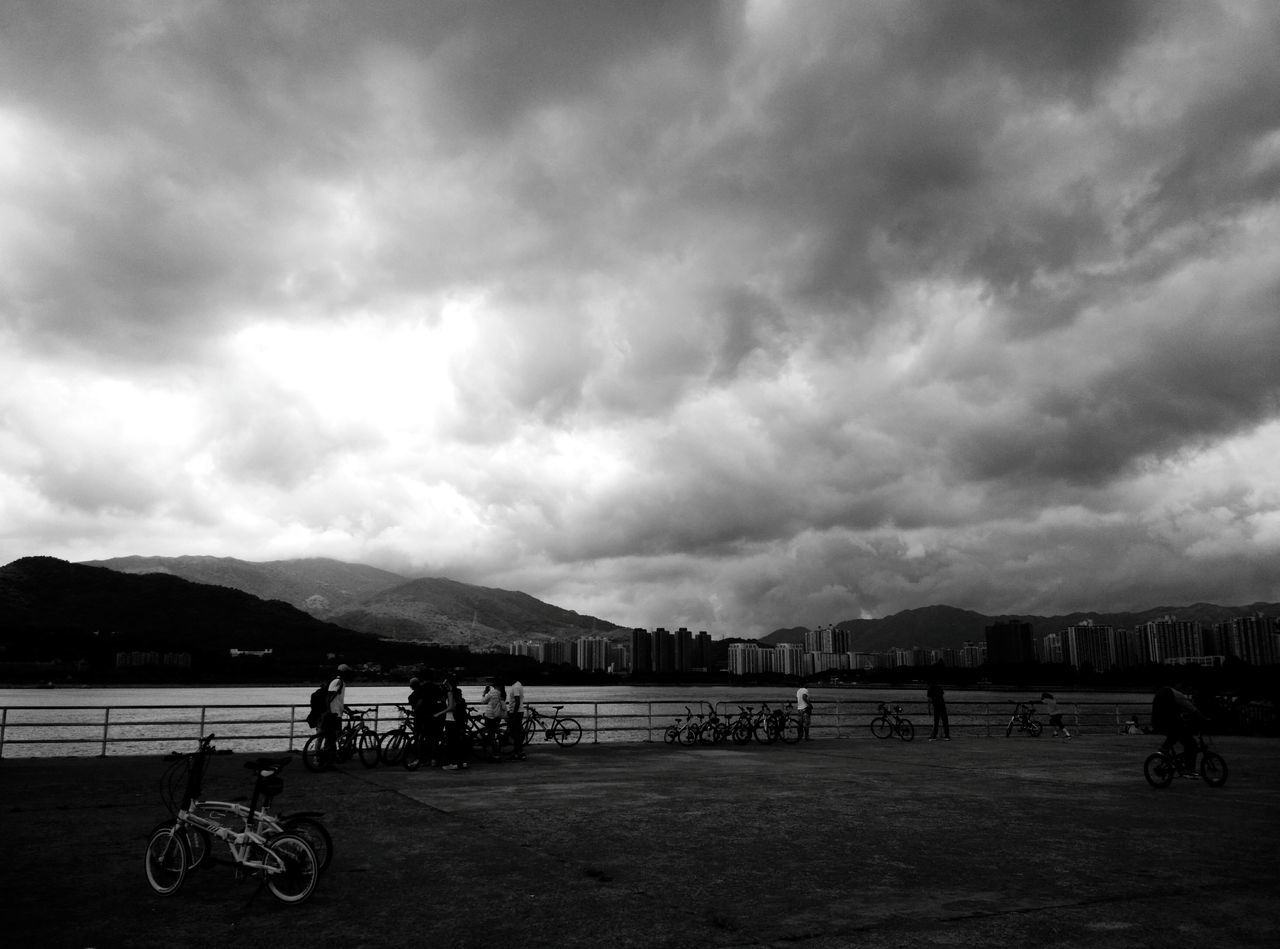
[4, 720]
[203, 710]
[106, 724]
[595, 723]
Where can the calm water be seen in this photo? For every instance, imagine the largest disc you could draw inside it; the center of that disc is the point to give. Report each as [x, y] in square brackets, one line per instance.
[85, 721]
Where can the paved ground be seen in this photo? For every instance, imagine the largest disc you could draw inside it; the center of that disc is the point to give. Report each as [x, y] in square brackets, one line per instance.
[851, 842]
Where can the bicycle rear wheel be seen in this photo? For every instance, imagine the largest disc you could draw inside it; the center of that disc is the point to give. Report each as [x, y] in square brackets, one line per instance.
[367, 744]
[314, 833]
[292, 870]
[906, 731]
[567, 732]
[672, 735]
[1158, 770]
[1035, 728]
[689, 736]
[881, 727]
[1213, 768]
[166, 860]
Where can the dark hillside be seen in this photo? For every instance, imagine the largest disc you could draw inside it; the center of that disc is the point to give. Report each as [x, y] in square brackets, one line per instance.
[43, 596]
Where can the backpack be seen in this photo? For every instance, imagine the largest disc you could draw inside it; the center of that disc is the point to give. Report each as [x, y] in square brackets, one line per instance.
[319, 705]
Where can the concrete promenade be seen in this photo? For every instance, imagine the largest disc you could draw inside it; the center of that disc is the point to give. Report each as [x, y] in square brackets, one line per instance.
[839, 842]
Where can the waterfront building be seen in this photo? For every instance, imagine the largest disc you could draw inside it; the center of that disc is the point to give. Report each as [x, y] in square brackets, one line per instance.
[788, 659]
[746, 659]
[1010, 643]
[1089, 643]
[593, 653]
[641, 650]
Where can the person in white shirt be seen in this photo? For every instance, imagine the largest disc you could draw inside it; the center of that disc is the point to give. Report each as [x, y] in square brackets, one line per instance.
[515, 716]
[332, 720]
[805, 708]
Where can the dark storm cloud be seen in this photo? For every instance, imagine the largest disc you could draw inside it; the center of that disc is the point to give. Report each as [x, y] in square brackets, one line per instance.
[763, 312]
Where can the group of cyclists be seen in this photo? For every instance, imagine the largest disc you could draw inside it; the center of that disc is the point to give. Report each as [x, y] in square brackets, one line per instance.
[439, 714]
[440, 717]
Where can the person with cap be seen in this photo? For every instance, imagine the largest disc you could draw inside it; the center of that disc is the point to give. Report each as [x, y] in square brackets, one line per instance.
[332, 720]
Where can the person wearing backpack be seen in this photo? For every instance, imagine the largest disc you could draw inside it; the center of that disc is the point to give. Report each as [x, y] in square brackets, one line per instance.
[319, 704]
[332, 720]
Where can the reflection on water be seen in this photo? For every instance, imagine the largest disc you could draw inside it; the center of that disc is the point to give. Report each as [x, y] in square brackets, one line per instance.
[116, 721]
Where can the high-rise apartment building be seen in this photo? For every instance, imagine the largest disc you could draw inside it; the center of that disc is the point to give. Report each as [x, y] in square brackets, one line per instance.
[1010, 643]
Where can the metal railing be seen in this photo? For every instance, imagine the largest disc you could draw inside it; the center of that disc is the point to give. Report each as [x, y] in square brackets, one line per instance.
[40, 731]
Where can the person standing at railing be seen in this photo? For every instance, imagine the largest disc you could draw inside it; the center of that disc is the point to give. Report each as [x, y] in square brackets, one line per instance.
[454, 714]
[515, 716]
[938, 705]
[804, 708]
[332, 720]
[495, 700]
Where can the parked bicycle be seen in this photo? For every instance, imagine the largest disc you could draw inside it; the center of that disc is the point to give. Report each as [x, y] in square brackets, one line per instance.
[890, 722]
[181, 787]
[1024, 719]
[391, 744]
[285, 862]
[562, 729]
[356, 737]
[683, 731]
[1165, 764]
[790, 723]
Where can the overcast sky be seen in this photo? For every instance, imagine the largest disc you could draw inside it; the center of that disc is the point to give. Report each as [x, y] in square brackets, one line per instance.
[727, 316]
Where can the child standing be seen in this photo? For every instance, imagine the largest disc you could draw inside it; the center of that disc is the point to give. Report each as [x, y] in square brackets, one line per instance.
[1055, 716]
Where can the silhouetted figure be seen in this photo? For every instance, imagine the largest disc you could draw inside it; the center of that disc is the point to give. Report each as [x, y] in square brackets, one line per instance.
[938, 705]
[1173, 715]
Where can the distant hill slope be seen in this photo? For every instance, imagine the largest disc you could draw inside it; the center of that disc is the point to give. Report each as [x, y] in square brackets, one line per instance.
[364, 598]
[451, 612]
[933, 627]
[318, 585]
[42, 596]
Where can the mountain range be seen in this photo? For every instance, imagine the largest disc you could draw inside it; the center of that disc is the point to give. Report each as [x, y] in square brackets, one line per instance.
[329, 597]
[387, 604]
[942, 626]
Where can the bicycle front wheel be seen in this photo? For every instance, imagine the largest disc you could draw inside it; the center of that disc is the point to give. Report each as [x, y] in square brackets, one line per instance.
[311, 757]
[391, 747]
[1213, 768]
[906, 731]
[881, 727]
[167, 860]
[1158, 770]
[367, 744]
[790, 730]
[567, 732]
[314, 833]
[291, 868]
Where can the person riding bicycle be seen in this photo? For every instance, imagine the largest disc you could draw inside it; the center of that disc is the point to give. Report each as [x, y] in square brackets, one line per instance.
[1173, 715]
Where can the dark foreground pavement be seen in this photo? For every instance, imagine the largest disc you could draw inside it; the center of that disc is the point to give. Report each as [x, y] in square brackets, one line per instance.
[844, 842]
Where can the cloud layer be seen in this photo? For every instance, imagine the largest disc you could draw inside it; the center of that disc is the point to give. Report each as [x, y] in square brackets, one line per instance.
[730, 316]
